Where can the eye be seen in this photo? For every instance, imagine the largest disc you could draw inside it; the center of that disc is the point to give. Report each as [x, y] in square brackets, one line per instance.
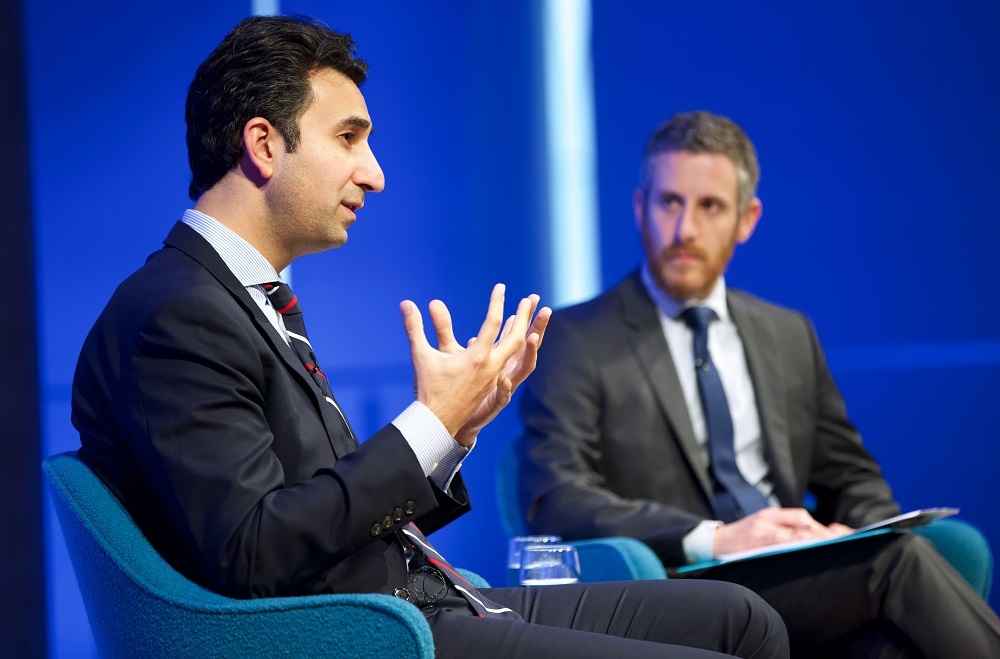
[712, 205]
[347, 137]
[671, 203]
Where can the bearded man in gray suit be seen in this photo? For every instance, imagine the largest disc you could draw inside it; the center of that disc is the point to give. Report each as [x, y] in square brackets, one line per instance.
[696, 418]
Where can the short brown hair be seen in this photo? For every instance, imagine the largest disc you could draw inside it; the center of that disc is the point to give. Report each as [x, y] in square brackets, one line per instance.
[704, 132]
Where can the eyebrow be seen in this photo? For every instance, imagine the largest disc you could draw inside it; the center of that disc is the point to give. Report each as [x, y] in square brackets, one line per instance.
[354, 121]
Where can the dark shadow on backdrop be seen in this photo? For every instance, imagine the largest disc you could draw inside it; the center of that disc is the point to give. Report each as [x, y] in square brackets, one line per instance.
[22, 597]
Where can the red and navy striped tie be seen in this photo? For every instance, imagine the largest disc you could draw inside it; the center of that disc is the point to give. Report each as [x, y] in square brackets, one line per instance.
[287, 303]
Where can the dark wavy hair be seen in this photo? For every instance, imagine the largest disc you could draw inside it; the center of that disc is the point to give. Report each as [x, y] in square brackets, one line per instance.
[261, 69]
[704, 132]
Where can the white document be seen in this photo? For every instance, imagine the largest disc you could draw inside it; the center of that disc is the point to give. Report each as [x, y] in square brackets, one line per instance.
[908, 520]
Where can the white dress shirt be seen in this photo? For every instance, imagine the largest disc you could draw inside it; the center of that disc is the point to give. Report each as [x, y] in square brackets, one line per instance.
[726, 349]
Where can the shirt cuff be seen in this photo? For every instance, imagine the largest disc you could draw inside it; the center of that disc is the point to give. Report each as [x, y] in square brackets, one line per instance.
[699, 540]
[439, 455]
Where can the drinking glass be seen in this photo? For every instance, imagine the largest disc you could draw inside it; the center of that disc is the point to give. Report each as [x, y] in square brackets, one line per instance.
[515, 548]
[549, 565]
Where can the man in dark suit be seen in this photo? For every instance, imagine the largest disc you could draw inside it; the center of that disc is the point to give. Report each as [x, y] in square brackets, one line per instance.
[201, 403]
[695, 418]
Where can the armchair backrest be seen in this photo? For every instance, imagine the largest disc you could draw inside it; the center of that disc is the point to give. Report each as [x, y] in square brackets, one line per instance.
[601, 559]
[138, 605]
[105, 543]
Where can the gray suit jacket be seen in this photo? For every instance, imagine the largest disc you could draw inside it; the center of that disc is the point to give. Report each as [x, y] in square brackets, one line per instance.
[608, 447]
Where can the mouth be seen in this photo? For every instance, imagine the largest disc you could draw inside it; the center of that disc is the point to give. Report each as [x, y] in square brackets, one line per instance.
[683, 256]
[353, 206]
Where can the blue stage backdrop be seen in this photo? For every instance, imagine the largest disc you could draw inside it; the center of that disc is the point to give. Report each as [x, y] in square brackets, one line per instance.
[877, 148]
[876, 129]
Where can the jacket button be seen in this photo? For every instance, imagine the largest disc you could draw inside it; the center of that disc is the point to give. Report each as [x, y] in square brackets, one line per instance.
[397, 514]
[410, 507]
[376, 529]
[386, 522]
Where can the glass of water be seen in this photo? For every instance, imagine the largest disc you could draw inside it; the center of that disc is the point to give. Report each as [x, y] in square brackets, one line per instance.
[515, 548]
[549, 565]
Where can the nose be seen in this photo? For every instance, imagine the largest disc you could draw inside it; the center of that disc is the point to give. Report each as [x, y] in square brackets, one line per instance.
[369, 174]
[684, 229]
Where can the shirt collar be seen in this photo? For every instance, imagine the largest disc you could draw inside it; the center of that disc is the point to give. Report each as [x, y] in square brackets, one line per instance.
[671, 308]
[249, 265]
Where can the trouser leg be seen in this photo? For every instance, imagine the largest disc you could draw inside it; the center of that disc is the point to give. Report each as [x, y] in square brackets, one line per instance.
[631, 620]
[892, 593]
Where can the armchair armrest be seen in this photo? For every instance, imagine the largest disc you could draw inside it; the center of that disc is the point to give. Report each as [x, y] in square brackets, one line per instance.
[617, 559]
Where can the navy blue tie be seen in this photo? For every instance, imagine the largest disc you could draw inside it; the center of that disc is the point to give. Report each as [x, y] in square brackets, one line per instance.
[734, 497]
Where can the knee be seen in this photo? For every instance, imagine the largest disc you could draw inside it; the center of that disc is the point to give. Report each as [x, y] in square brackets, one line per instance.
[907, 550]
[759, 611]
[764, 632]
[904, 557]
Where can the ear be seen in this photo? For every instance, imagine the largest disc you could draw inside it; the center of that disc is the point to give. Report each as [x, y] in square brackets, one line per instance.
[748, 220]
[639, 208]
[261, 145]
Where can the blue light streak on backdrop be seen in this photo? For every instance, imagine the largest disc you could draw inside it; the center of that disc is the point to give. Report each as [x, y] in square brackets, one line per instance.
[569, 127]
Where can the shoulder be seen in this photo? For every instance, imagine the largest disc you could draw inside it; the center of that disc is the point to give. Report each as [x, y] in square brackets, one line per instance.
[587, 337]
[171, 298]
[608, 311]
[786, 333]
[168, 278]
[742, 303]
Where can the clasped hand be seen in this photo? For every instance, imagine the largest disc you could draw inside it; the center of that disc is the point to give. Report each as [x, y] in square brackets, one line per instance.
[466, 387]
[771, 526]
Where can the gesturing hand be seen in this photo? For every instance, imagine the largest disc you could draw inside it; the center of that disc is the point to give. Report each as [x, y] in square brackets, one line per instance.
[467, 387]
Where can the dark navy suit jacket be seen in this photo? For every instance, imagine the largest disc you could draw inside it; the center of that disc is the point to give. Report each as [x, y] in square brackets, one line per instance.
[192, 408]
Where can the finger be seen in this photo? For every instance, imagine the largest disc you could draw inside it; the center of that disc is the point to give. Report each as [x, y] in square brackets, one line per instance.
[802, 523]
[533, 298]
[441, 318]
[533, 342]
[413, 323]
[528, 360]
[508, 346]
[786, 516]
[533, 304]
[540, 323]
[506, 327]
[494, 316]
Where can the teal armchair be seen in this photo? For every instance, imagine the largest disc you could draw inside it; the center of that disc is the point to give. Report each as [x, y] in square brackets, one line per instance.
[966, 548]
[601, 559]
[140, 606]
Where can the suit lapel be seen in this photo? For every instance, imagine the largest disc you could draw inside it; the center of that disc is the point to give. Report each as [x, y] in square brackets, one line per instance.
[190, 242]
[655, 362]
[763, 362]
